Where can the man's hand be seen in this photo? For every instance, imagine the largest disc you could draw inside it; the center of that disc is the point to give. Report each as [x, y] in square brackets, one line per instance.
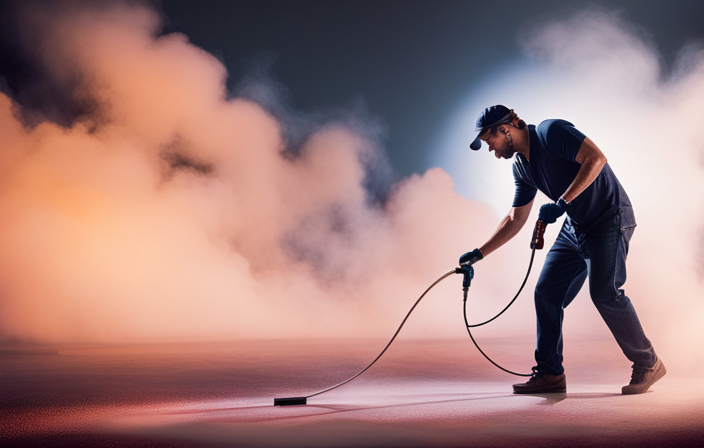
[550, 212]
[471, 257]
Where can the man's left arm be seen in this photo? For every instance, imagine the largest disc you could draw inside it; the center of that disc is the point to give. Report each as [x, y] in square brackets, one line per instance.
[592, 160]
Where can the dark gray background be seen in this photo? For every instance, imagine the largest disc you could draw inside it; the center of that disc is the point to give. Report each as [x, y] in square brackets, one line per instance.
[407, 63]
[410, 61]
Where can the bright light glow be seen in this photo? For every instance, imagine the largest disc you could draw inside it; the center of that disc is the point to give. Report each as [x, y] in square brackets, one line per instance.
[478, 174]
[593, 71]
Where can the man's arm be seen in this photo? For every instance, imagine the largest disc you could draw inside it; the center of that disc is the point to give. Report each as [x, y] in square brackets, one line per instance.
[507, 228]
[592, 160]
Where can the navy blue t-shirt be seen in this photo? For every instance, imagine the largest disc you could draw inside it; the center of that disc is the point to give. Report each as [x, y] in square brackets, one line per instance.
[552, 168]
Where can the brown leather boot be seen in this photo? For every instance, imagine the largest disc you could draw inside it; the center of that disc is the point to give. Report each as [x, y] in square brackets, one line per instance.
[642, 378]
[541, 383]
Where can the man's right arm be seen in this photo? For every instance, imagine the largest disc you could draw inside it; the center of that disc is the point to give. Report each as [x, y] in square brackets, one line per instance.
[512, 223]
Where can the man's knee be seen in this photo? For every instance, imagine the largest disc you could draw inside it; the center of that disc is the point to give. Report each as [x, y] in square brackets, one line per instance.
[544, 296]
[551, 292]
[609, 297]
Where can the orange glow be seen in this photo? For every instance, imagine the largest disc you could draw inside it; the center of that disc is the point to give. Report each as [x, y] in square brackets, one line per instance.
[103, 239]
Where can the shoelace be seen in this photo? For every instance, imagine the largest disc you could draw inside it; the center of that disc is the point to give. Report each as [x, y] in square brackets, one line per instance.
[638, 375]
[537, 374]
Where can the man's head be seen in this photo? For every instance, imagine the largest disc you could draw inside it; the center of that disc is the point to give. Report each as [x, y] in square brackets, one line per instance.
[494, 126]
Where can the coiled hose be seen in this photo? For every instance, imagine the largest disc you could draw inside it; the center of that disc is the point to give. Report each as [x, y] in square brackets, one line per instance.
[459, 270]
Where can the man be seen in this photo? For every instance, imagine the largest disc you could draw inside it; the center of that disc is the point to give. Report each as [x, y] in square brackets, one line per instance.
[557, 159]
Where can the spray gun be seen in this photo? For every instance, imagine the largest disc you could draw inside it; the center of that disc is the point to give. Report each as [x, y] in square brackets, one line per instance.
[467, 270]
[536, 243]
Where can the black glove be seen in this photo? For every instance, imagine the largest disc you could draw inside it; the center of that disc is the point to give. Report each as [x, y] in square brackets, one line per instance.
[471, 257]
[550, 212]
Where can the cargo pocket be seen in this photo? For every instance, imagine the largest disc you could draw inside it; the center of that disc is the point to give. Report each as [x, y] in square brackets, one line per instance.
[627, 219]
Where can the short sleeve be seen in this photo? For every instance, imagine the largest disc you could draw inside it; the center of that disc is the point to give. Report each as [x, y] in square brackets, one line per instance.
[525, 192]
[561, 138]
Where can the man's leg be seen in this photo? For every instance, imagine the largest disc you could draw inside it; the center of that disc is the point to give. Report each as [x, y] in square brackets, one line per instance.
[607, 248]
[560, 280]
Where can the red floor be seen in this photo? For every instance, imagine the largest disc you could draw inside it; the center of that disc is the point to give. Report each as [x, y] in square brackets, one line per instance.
[421, 393]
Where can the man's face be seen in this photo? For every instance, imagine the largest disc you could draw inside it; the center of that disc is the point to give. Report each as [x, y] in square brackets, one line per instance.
[499, 142]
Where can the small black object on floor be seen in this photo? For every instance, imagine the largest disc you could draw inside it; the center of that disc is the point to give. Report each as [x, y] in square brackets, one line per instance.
[292, 401]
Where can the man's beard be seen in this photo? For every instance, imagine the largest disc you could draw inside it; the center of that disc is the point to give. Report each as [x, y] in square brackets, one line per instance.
[507, 151]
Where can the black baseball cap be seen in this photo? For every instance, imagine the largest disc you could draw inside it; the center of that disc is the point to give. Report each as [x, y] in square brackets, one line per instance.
[491, 116]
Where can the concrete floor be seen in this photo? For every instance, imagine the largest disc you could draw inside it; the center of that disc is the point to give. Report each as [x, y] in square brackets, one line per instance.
[422, 393]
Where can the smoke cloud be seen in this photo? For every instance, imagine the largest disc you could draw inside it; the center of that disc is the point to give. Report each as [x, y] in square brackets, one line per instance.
[168, 209]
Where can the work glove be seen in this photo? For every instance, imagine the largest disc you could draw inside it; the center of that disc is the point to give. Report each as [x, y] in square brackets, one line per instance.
[471, 257]
[550, 212]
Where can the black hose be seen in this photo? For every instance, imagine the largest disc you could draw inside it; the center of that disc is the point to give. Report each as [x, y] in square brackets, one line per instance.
[530, 266]
[464, 309]
[303, 400]
[444, 276]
